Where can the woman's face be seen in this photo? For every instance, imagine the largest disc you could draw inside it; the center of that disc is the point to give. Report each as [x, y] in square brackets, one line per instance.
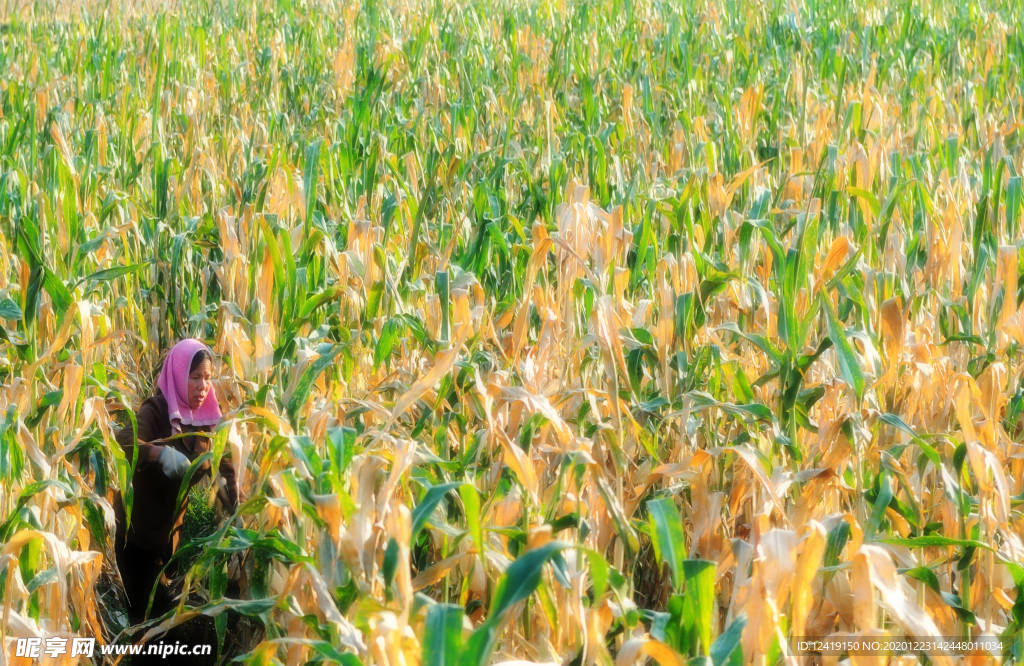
[200, 382]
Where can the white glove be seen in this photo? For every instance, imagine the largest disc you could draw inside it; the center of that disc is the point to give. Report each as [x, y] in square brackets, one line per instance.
[174, 462]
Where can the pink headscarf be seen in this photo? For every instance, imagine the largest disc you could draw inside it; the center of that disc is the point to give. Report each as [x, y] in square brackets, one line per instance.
[173, 383]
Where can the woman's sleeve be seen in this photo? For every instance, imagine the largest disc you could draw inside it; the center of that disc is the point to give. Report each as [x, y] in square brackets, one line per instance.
[148, 453]
[227, 470]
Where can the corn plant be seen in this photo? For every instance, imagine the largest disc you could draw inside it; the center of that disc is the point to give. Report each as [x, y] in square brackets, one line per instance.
[561, 333]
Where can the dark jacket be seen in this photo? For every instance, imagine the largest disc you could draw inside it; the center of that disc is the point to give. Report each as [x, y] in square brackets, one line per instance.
[155, 523]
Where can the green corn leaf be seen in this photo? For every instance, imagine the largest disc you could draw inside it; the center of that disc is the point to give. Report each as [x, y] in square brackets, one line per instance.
[928, 577]
[442, 635]
[699, 602]
[600, 572]
[1014, 198]
[667, 536]
[390, 564]
[471, 505]
[390, 334]
[189, 473]
[274, 249]
[519, 581]
[881, 503]
[867, 196]
[926, 448]
[305, 383]
[310, 176]
[9, 310]
[421, 514]
[318, 300]
[522, 577]
[723, 651]
[112, 273]
[849, 362]
[341, 447]
[59, 294]
[935, 541]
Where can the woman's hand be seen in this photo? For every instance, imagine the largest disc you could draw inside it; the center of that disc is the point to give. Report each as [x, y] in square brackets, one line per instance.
[224, 496]
[174, 462]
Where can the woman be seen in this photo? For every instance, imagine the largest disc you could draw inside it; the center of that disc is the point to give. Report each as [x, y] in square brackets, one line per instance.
[184, 402]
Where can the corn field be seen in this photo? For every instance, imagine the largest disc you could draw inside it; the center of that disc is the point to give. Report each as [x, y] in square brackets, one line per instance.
[562, 332]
